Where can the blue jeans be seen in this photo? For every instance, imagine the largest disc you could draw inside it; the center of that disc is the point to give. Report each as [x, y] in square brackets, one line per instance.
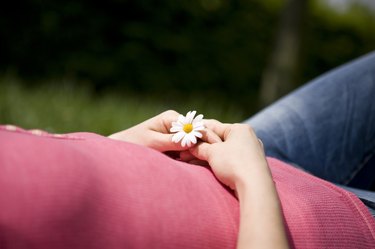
[327, 127]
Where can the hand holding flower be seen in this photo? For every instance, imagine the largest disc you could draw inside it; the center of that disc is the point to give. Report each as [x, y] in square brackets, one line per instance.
[155, 132]
[239, 153]
[152, 133]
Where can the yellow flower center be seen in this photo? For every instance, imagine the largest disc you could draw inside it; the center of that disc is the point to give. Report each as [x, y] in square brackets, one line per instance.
[188, 128]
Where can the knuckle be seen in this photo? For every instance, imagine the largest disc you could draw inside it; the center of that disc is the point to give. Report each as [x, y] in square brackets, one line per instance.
[170, 113]
[209, 123]
[239, 126]
[243, 127]
[212, 122]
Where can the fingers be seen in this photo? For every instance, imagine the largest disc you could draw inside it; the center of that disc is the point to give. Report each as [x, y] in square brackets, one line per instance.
[220, 129]
[201, 151]
[214, 132]
[168, 117]
[163, 142]
[162, 122]
[186, 156]
[162, 139]
[210, 137]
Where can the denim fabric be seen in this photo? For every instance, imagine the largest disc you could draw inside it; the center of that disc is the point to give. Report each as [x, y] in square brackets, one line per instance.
[327, 126]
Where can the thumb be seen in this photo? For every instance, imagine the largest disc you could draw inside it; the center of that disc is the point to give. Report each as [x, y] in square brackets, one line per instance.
[163, 142]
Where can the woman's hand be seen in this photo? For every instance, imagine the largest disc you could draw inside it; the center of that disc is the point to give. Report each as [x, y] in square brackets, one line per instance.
[239, 162]
[240, 153]
[154, 133]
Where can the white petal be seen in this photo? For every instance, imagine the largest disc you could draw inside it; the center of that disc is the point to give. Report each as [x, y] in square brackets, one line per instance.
[199, 128]
[197, 134]
[188, 141]
[184, 141]
[176, 124]
[190, 117]
[185, 121]
[196, 124]
[192, 138]
[176, 128]
[181, 119]
[178, 136]
[198, 118]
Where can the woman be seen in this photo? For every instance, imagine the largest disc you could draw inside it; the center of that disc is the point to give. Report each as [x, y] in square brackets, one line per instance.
[327, 128]
[237, 159]
[86, 191]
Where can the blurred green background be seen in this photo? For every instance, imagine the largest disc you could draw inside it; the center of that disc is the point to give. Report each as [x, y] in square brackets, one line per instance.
[103, 66]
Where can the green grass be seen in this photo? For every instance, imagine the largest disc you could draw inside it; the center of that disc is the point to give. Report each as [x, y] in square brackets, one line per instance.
[66, 106]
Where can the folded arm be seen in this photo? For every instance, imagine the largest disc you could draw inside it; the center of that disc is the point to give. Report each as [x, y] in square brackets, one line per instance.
[239, 162]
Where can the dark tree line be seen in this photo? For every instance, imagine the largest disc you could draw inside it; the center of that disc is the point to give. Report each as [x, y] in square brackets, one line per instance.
[177, 46]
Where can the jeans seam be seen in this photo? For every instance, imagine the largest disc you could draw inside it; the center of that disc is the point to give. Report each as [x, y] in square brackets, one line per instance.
[359, 168]
[301, 120]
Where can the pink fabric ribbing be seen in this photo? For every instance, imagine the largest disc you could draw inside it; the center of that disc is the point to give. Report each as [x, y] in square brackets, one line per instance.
[86, 191]
[319, 214]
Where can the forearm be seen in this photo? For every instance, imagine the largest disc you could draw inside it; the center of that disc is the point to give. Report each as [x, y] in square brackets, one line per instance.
[261, 222]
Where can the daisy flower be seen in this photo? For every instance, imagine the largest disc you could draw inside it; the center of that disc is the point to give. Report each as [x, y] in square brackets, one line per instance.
[187, 128]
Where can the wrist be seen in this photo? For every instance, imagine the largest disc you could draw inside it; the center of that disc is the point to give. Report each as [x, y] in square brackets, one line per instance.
[253, 177]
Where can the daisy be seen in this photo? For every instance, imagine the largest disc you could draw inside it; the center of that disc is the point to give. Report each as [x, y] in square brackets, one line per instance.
[187, 128]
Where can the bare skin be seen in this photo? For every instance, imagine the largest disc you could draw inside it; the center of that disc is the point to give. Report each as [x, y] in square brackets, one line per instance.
[154, 133]
[237, 159]
[239, 162]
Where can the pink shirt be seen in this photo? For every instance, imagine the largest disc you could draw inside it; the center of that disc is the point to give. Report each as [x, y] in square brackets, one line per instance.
[83, 190]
